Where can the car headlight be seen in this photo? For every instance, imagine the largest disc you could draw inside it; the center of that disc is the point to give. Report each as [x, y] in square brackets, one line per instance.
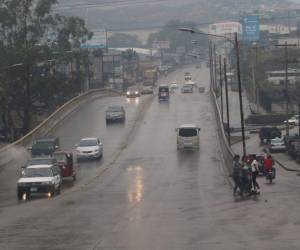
[128, 93]
[136, 92]
[96, 150]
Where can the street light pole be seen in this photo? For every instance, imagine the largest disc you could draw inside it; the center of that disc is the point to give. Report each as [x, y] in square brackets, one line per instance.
[227, 103]
[236, 44]
[236, 47]
[221, 88]
[286, 45]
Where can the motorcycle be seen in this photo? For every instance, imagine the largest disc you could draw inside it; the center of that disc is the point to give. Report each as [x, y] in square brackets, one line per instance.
[270, 175]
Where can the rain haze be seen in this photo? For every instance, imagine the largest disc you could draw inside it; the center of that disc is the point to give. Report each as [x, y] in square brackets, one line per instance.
[159, 124]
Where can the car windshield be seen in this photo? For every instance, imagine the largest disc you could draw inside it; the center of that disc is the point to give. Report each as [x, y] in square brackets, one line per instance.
[39, 161]
[38, 172]
[187, 132]
[88, 143]
[61, 158]
[114, 109]
[163, 89]
[43, 145]
[276, 140]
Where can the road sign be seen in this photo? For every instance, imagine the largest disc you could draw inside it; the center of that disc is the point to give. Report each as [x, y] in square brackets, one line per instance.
[161, 45]
[98, 40]
[251, 28]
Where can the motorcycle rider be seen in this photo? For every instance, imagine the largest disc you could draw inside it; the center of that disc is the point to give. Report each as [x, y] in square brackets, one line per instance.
[269, 165]
[255, 170]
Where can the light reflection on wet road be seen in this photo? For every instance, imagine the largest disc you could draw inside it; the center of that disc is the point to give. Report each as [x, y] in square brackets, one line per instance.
[146, 194]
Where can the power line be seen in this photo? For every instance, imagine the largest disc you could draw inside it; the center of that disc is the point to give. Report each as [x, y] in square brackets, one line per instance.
[117, 3]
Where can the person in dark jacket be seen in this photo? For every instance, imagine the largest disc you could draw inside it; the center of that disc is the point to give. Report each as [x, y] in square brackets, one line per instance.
[236, 173]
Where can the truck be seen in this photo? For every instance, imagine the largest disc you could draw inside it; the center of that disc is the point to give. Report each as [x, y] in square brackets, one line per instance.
[150, 77]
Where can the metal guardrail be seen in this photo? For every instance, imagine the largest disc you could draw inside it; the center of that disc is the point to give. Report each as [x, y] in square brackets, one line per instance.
[53, 120]
[227, 152]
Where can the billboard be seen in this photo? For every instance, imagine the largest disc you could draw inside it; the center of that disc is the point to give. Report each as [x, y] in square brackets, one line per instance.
[251, 28]
[98, 40]
[224, 28]
[161, 45]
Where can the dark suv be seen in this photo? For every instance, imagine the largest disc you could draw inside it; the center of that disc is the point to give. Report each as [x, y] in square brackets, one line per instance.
[266, 134]
[44, 146]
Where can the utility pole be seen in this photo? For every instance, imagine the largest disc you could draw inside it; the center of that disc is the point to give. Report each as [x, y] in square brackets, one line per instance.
[210, 67]
[227, 103]
[215, 68]
[298, 33]
[286, 45]
[236, 45]
[221, 88]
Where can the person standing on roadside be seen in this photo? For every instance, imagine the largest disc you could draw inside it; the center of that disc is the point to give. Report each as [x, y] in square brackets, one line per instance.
[236, 173]
[255, 170]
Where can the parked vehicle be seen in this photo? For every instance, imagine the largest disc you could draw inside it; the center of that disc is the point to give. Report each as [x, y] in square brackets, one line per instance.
[44, 146]
[188, 136]
[89, 148]
[66, 164]
[266, 134]
[39, 179]
[133, 92]
[293, 146]
[115, 113]
[277, 145]
[294, 120]
[163, 92]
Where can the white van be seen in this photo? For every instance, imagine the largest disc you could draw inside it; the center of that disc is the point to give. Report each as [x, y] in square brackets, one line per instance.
[188, 136]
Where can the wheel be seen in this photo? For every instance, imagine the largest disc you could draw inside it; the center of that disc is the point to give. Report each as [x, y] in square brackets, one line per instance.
[74, 177]
[271, 179]
[19, 195]
[58, 189]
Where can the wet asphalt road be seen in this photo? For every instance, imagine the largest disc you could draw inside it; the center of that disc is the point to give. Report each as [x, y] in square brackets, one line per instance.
[145, 194]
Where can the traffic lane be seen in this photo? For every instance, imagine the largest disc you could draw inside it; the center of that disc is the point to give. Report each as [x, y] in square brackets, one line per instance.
[114, 136]
[110, 206]
[152, 198]
[89, 120]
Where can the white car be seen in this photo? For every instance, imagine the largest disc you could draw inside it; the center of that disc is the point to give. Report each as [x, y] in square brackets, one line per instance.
[89, 148]
[39, 179]
[188, 136]
[294, 120]
[173, 86]
[277, 144]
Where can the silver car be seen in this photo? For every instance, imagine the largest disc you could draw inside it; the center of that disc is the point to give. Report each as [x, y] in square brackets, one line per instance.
[115, 114]
[277, 144]
[89, 148]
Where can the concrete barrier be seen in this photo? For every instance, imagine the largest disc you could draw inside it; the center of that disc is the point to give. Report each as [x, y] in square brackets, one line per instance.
[52, 121]
[227, 152]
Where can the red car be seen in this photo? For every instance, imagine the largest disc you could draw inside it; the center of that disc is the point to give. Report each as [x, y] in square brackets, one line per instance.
[66, 164]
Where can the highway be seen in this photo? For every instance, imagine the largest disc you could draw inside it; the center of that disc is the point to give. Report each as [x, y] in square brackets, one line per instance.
[145, 194]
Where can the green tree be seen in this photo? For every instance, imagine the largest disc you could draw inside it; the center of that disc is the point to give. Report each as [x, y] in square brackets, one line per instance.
[26, 52]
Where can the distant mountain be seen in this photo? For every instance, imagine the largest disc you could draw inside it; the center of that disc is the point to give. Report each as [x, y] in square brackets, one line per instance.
[131, 14]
